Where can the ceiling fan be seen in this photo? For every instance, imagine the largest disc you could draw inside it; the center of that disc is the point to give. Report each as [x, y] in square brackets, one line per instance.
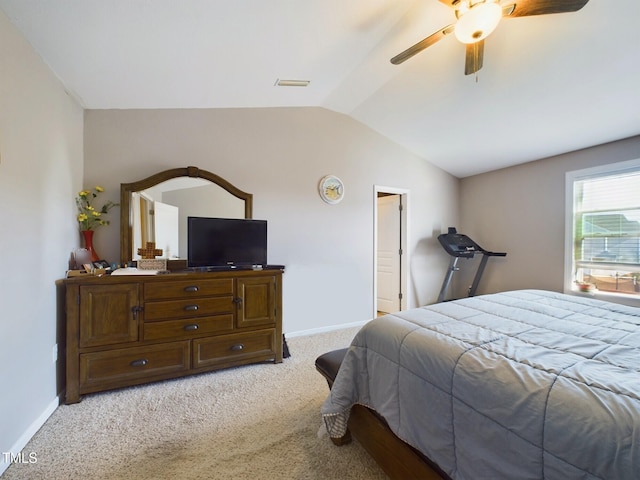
[478, 18]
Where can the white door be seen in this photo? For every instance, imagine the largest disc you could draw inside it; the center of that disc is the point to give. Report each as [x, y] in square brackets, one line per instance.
[388, 254]
[166, 229]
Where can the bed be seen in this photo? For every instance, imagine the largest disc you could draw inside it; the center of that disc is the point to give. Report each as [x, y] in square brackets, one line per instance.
[514, 385]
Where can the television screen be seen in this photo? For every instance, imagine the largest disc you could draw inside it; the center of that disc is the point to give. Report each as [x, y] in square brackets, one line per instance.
[220, 242]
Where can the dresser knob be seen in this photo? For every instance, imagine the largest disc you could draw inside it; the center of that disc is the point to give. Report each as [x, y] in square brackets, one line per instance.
[191, 308]
[191, 288]
[236, 348]
[190, 328]
[139, 363]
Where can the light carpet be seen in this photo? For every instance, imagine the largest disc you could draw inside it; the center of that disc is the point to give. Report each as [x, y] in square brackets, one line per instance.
[253, 422]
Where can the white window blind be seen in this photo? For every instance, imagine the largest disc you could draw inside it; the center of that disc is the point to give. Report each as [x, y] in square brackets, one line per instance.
[606, 243]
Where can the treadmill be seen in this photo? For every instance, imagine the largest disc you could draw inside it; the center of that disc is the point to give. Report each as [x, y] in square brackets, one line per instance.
[460, 246]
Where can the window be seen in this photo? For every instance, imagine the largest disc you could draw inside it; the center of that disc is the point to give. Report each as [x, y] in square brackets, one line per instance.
[603, 238]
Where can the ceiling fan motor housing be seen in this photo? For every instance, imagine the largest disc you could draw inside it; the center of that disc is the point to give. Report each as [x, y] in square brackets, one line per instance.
[476, 20]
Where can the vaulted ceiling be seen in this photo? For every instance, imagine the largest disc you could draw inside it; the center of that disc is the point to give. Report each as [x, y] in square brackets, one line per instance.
[550, 84]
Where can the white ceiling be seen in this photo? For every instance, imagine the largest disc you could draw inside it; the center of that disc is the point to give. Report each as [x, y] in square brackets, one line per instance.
[550, 84]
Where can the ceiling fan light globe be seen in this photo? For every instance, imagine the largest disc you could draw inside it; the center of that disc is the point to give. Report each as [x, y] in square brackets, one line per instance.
[478, 22]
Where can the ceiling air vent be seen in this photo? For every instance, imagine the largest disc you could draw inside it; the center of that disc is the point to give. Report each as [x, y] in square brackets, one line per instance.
[292, 83]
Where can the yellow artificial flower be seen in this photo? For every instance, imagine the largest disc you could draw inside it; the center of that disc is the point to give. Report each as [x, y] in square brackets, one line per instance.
[89, 217]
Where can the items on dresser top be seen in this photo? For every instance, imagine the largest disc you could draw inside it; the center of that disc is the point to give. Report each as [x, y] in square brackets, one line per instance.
[134, 271]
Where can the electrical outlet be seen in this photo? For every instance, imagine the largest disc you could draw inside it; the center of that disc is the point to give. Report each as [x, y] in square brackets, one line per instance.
[55, 353]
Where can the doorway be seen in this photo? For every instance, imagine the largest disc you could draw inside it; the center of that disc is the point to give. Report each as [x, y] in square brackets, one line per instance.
[391, 262]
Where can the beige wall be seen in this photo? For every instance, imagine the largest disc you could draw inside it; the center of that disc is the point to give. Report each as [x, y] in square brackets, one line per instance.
[521, 210]
[279, 155]
[40, 173]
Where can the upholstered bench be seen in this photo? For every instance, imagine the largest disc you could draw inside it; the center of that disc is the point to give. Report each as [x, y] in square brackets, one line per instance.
[329, 363]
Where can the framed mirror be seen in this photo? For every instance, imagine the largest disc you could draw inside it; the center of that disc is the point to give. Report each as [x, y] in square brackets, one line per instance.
[156, 208]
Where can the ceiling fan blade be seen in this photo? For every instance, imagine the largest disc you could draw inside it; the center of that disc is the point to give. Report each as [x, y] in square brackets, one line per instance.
[421, 45]
[526, 8]
[508, 9]
[473, 58]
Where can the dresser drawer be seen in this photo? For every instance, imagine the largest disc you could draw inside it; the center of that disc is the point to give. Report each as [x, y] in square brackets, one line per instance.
[126, 364]
[189, 308]
[188, 288]
[188, 328]
[234, 349]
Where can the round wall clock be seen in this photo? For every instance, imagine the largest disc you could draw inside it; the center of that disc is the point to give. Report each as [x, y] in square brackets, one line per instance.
[331, 189]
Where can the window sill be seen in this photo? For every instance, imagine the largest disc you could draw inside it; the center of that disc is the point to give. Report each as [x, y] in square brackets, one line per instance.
[607, 296]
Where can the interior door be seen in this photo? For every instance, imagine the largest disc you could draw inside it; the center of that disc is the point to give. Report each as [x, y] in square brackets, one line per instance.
[388, 254]
[166, 229]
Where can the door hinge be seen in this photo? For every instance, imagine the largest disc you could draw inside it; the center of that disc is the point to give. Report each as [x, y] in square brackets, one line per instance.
[78, 299]
[400, 295]
[400, 252]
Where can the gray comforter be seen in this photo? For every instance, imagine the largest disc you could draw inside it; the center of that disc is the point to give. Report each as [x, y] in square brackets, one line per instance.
[518, 385]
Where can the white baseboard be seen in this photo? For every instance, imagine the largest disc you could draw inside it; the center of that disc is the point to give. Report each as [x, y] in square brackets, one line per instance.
[28, 434]
[312, 331]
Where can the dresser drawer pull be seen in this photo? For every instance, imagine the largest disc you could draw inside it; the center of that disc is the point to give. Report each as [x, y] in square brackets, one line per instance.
[237, 348]
[139, 363]
[191, 288]
[191, 308]
[190, 328]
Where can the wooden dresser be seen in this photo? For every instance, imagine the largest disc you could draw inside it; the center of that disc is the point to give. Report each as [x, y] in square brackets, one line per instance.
[127, 330]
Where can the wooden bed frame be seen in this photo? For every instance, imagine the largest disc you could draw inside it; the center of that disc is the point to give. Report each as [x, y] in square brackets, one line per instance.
[398, 459]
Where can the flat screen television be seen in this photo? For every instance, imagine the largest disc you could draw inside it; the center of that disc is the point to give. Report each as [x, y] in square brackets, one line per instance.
[226, 242]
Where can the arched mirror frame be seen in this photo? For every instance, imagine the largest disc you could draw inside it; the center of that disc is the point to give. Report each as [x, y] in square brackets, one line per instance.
[126, 189]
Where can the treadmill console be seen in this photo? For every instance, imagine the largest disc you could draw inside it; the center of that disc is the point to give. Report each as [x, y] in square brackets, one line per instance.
[458, 245]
